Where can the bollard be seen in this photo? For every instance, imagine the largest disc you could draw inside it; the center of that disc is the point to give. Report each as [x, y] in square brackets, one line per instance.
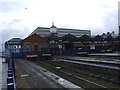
[10, 71]
[9, 80]
[10, 74]
[10, 67]
[10, 86]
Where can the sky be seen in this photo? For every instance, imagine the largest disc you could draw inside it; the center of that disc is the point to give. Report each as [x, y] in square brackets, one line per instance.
[119, 14]
[18, 18]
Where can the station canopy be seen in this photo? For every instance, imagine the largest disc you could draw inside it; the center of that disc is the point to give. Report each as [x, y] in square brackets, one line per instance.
[98, 38]
[52, 36]
[109, 38]
[69, 37]
[117, 38]
[84, 38]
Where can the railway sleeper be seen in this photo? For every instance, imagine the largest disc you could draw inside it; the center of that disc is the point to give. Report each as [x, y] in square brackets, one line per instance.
[74, 76]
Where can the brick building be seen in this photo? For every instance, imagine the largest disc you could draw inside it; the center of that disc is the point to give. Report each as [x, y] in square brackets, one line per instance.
[34, 43]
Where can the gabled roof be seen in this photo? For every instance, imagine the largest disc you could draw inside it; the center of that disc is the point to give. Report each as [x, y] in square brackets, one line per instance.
[117, 38]
[84, 38]
[68, 37]
[14, 41]
[35, 38]
[53, 26]
[109, 38]
[52, 37]
[98, 38]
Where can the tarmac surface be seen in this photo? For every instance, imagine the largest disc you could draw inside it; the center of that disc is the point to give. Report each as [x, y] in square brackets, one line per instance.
[29, 75]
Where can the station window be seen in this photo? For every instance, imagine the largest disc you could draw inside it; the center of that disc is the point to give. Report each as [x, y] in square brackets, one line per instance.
[19, 46]
[15, 46]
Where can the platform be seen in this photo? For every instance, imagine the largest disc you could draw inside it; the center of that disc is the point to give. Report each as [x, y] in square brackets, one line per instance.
[39, 77]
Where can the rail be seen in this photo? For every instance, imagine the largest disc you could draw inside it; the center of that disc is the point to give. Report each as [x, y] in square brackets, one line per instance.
[91, 64]
[86, 73]
[77, 77]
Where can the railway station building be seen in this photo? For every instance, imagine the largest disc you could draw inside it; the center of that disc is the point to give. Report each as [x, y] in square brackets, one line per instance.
[13, 46]
[43, 31]
[34, 43]
[68, 41]
[61, 38]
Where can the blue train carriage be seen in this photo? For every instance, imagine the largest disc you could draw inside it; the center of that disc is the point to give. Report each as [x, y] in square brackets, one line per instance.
[41, 55]
[29, 52]
[32, 56]
[110, 50]
[107, 50]
[45, 54]
[82, 52]
[36, 53]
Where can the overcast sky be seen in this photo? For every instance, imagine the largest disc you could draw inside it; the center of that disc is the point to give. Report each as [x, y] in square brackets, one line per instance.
[18, 18]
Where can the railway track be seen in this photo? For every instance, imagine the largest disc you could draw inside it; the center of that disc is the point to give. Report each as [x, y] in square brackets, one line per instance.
[65, 70]
[103, 62]
[100, 86]
[85, 73]
[79, 80]
[91, 63]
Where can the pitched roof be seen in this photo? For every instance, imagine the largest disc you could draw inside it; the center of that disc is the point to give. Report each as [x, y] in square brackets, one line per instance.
[53, 26]
[117, 38]
[68, 37]
[35, 38]
[109, 38]
[52, 36]
[84, 38]
[98, 38]
[14, 41]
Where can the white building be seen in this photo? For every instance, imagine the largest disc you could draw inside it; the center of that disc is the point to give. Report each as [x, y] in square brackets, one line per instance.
[42, 31]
